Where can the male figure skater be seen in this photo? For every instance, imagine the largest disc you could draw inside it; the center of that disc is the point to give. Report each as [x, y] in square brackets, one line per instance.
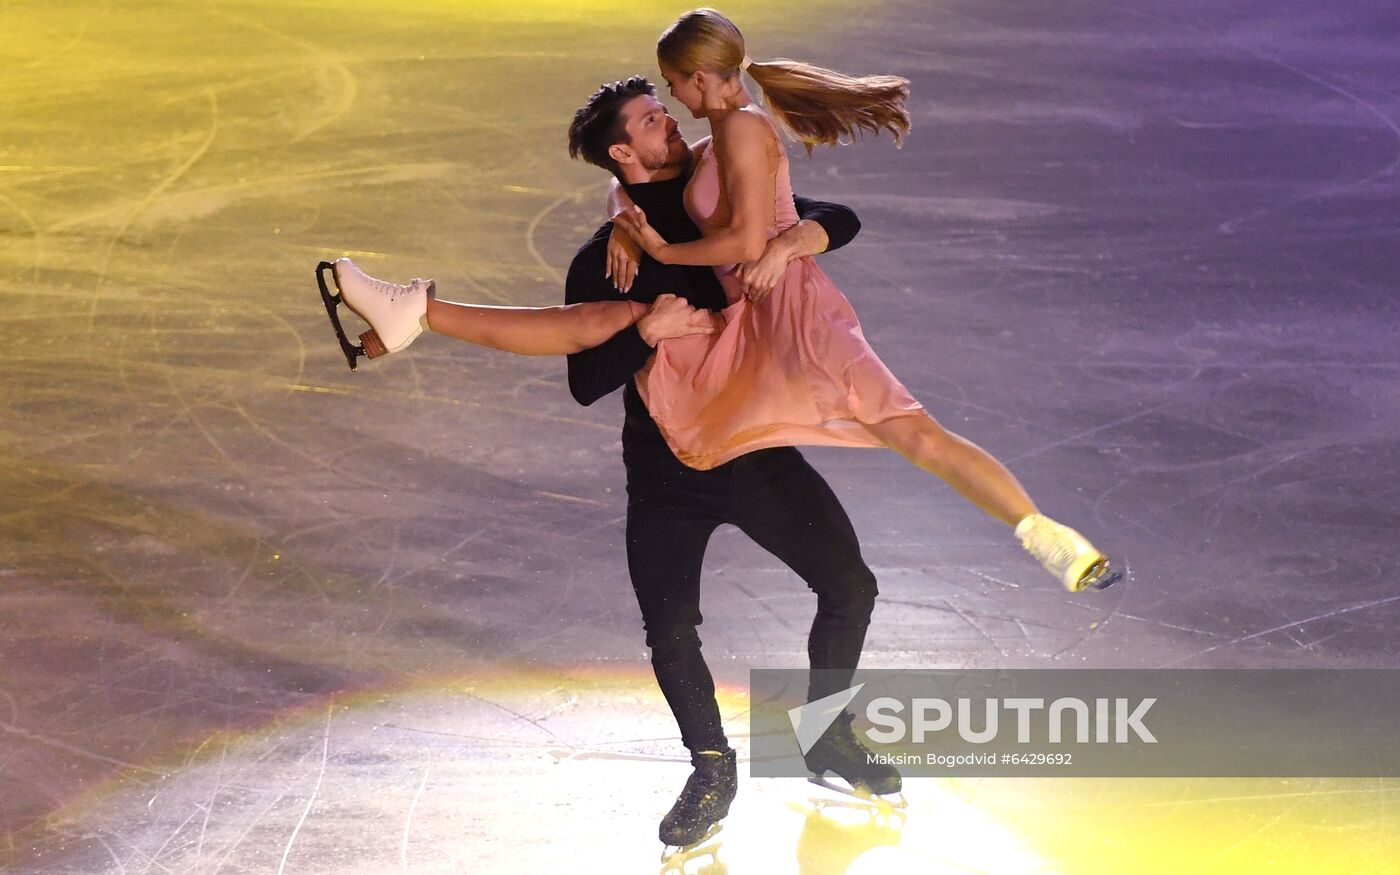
[772, 495]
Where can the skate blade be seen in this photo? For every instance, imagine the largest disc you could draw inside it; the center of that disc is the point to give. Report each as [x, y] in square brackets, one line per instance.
[856, 818]
[887, 802]
[332, 302]
[1101, 577]
[675, 857]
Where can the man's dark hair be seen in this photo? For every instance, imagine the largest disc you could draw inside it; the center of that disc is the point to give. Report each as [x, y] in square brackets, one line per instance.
[598, 124]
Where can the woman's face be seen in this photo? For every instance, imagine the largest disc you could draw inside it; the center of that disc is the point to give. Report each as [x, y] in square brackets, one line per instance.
[684, 89]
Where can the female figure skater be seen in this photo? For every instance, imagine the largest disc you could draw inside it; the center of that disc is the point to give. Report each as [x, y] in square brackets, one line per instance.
[795, 369]
[789, 369]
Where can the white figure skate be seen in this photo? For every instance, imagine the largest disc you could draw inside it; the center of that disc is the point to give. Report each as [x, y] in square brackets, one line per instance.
[396, 314]
[1066, 554]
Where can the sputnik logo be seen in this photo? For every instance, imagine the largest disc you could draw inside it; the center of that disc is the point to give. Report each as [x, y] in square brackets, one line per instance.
[811, 720]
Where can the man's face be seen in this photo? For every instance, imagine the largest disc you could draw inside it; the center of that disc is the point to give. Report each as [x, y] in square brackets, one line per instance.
[655, 137]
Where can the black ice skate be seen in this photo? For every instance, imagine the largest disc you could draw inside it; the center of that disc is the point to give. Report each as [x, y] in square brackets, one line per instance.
[703, 803]
[840, 751]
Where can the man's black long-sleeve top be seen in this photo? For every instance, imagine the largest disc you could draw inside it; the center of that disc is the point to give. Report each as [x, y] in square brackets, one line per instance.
[596, 372]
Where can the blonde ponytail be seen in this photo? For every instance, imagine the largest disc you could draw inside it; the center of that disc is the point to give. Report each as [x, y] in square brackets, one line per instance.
[818, 106]
[821, 106]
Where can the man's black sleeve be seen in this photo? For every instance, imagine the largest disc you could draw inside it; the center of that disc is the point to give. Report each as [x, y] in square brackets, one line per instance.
[596, 372]
[838, 220]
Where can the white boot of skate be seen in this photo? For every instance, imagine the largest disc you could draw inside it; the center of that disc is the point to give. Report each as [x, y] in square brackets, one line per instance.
[397, 314]
[1065, 553]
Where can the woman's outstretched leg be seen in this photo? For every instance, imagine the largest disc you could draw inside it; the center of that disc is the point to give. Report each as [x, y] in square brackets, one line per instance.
[985, 482]
[562, 330]
[966, 467]
[397, 314]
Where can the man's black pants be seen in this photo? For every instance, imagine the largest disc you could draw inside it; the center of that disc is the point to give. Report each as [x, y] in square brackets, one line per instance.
[785, 506]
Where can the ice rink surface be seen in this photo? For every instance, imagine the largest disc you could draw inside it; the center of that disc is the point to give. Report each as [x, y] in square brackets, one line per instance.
[262, 614]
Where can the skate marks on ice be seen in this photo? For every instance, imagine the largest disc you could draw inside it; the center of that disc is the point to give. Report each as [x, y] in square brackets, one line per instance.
[329, 73]
[385, 782]
[1260, 44]
[439, 779]
[1234, 389]
[230, 529]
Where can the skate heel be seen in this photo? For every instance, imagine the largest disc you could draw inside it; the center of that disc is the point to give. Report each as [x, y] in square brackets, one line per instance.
[396, 313]
[372, 345]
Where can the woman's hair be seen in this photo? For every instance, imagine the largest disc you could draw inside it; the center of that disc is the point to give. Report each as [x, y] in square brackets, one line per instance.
[819, 106]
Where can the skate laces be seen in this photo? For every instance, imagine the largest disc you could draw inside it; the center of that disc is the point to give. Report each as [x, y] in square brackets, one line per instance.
[696, 789]
[706, 784]
[387, 288]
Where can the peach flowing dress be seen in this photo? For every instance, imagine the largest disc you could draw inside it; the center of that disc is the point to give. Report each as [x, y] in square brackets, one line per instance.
[793, 370]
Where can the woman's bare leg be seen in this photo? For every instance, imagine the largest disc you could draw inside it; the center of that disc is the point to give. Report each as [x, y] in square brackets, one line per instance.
[986, 483]
[965, 466]
[533, 330]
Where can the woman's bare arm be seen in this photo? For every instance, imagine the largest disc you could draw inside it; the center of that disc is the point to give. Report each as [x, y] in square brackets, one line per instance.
[744, 144]
[618, 199]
